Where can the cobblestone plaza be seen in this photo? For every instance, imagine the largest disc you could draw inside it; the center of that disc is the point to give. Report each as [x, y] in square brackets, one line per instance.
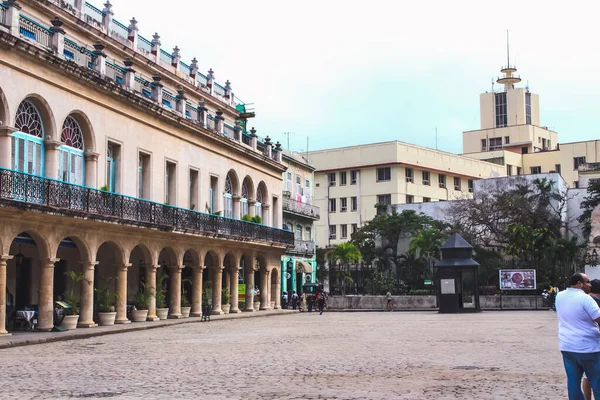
[410, 355]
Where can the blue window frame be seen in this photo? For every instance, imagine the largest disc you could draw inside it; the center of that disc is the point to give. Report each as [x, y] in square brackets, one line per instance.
[167, 103]
[27, 34]
[68, 54]
[147, 93]
[71, 165]
[119, 80]
[188, 114]
[27, 153]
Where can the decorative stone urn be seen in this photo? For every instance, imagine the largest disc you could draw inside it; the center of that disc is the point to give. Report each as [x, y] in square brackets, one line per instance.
[139, 315]
[106, 318]
[69, 322]
[185, 311]
[162, 313]
[225, 308]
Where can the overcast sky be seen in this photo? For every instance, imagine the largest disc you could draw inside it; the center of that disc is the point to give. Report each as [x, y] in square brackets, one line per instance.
[347, 72]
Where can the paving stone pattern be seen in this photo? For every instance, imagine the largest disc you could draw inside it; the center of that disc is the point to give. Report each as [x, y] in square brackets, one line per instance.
[413, 355]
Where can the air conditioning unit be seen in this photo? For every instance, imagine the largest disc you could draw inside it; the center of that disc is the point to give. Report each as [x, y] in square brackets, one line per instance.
[426, 182]
[409, 179]
[443, 185]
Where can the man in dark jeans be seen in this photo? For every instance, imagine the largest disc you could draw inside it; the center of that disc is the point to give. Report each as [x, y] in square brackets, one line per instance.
[321, 302]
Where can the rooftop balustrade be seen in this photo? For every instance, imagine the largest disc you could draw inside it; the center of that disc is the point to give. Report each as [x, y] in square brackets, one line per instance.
[299, 208]
[47, 195]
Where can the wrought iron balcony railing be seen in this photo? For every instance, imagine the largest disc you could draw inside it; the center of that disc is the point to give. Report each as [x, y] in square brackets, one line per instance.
[50, 195]
[297, 207]
[305, 247]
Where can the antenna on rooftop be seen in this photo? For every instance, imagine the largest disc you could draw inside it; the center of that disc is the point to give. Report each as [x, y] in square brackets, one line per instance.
[507, 50]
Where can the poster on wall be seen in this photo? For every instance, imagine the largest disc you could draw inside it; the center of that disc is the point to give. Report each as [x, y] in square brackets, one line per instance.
[517, 279]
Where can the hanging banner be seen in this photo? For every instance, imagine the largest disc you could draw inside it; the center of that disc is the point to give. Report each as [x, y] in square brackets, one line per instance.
[517, 279]
[241, 293]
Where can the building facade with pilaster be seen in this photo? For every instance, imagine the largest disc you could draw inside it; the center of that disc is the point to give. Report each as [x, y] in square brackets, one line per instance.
[121, 162]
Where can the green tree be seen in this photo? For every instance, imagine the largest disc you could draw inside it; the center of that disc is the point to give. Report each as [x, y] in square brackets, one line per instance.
[344, 255]
[426, 245]
[591, 201]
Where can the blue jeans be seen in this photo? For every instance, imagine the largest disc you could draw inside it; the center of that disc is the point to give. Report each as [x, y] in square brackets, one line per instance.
[575, 365]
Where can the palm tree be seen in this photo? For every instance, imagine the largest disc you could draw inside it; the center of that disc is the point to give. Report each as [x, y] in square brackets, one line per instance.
[344, 255]
[426, 245]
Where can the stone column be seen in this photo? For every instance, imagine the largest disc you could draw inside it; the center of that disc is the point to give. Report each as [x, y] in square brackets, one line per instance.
[5, 146]
[266, 217]
[12, 17]
[236, 207]
[249, 307]
[210, 79]
[151, 283]
[233, 289]
[252, 207]
[278, 291]
[217, 284]
[129, 75]
[175, 295]
[237, 133]
[194, 69]
[157, 93]
[176, 55]
[253, 139]
[107, 17]
[99, 60]
[264, 291]
[91, 169]
[155, 49]
[197, 292]
[3, 260]
[58, 36]
[46, 296]
[52, 158]
[180, 102]
[121, 303]
[269, 291]
[220, 122]
[133, 33]
[86, 314]
[202, 113]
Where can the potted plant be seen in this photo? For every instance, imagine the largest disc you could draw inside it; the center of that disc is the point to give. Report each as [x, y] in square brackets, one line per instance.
[142, 303]
[185, 303]
[257, 219]
[71, 317]
[225, 306]
[106, 306]
[162, 311]
[247, 218]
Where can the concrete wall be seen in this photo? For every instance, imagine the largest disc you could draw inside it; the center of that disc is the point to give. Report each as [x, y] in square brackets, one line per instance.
[429, 302]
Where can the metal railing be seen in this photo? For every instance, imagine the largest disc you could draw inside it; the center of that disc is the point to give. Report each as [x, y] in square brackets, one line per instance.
[298, 207]
[52, 195]
[303, 247]
[32, 30]
[93, 12]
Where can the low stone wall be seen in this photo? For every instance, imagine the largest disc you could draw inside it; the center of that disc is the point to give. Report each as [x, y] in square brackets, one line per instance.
[378, 302]
[508, 302]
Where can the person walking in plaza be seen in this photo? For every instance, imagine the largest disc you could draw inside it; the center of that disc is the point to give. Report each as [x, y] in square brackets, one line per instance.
[595, 294]
[389, 304]
[578, 335]
[321, 302]
[294, 299]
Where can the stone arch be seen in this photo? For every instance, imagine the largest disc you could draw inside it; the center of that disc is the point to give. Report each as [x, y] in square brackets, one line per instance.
[191, 258]
[262, 261]
[168, 257]
[5, 114]
[235, 182]
[89, 137]
[42, 243]
[117, 249]
[212, 259]
[144, 252]
[85, 253]
[48, 120]
[249, 185]
[230, 259]
[264, 193]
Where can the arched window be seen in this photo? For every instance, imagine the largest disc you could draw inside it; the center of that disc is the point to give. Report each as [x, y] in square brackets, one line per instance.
[298, 234]
[27, 143]
[71, 153]
[244, 200]
[258, 204]
[228, 198]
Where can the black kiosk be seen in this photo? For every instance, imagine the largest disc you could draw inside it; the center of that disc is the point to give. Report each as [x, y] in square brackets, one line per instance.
[454, 273]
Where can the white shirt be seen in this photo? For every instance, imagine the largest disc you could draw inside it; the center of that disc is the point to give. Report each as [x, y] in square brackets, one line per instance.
[577, 331]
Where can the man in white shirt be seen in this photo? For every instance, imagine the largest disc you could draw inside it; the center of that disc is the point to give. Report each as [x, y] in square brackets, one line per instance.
[578, 335]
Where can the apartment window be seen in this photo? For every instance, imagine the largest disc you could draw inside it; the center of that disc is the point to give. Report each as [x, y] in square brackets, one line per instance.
[544, 144]
[506, 139]
[353, 177]
[332, 231]
[425, 177]
[113, 158]
[508, 170]
[354, 228]
[144, 176]
[426, 199]
[456, 183]
[353, 203]
[576, 184]
[528, 108]
[288, 182]
[384, 199]
[384, 174]
[307, 190]
[557, 168]
[536, 170]
[332, 179]
[343, 231]
[501, 117]
[442, 180]
[343, 204]
[410, 199]
[194, 190]
[495, 143]
[298, 233]
[170, 183]
[470, 185]
[299, 190]
[308, 233]
[483, 144]
[343, 178]
[577, 161]
[409, 174]
[332, 205]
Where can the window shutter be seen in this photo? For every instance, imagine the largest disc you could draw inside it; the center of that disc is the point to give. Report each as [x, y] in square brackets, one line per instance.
[12, 152]
[21, 154]
[140, 180]
[30, 160]
[78, 178]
